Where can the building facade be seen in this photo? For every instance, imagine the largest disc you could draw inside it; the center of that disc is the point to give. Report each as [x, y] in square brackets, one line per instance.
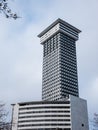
[59, 61]
[70, 114]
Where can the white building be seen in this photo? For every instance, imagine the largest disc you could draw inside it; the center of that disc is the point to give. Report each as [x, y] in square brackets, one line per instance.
[69, 114]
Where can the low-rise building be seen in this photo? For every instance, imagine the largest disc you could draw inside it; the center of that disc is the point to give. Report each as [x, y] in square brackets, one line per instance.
[69, 114]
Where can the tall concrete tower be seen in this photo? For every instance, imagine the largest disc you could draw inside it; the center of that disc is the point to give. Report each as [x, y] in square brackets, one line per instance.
[59, 61]
[61, 108]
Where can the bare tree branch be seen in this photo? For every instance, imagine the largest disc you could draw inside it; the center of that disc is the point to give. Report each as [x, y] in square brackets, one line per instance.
[96, 120]
[6, 10]
[4, 125]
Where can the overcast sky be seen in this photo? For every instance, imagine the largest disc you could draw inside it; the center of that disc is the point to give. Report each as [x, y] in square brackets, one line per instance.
[21, 52]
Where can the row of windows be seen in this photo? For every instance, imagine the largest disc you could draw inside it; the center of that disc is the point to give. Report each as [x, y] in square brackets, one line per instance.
[65, 37]
[68, 65]
[47, 75]
[68, 78]
[71, 61]
[40, 103]
[67, 49]
[52, 88]
[47, 128]
[51, 70]
[48, 90]
[66, 73]
[65, 76]
[54, 82]
[44, 120]
[51, 98]
[34, 116]
[53, 66]
[56, 75]
[67, 45]
[42, 107]
[66, 54]
[50, 60]
[52, 55]
[51, 77]
[30, 112]
[67, 62]
[56, 71]
[72, 88]
[69, 72]
[50, 64]
[69, 83]
[49, 51]
[69, 89]
[51, 80]
[68, 68]
[68, 124]
[69, 92]
[53, 85]
[72, 76]
[51, 94]
[68, 58]
[51, 45]
[57, 98]
[65, 68]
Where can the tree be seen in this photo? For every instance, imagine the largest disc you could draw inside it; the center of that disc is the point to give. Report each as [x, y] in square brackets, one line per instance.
[4, 125]
[6, 10]
[95, 121]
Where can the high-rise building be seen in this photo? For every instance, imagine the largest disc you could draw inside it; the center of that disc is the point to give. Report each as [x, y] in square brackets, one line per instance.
[59, 61]
[61, 108]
